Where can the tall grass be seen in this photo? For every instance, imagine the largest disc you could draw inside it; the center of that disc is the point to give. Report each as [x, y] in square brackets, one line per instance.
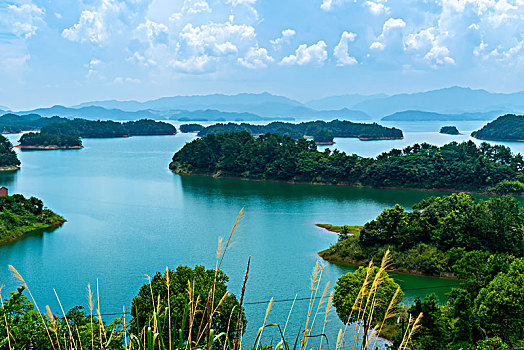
[201, 335]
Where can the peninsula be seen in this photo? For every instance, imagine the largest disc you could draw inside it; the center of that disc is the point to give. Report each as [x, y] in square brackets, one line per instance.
[271, 157]
[8, 159]
[509, 127]
[20, 216]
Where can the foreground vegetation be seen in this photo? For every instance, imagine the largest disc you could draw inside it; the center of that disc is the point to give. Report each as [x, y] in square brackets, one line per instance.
[319, 130]
[192, 309]
[104, 129]
[20, 215]
[509, 127]
[436, 234]
[8, 157]
[40, 140]
[455, 166]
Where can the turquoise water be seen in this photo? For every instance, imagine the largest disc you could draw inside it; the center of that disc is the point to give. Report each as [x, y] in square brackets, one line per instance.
[128, 216]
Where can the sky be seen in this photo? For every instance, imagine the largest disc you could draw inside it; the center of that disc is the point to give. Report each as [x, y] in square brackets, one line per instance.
[67, 52]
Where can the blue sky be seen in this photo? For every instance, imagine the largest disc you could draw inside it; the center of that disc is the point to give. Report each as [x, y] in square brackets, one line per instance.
[66, 52]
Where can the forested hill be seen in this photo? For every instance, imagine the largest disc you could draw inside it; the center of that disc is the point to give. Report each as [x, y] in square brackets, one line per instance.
[509, 127]
[339, 128]
[455, 166]
[108, 128]
[12, 123]
[33, 139]
[8, 157]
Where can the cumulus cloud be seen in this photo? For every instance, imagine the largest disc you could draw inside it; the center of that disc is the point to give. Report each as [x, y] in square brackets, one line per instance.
[256, 58]
[315, 54]
[341, 50]
[390, 34]
[23, 20]
[377, 7]
[285, 38]
[195, 64]
[96, 25]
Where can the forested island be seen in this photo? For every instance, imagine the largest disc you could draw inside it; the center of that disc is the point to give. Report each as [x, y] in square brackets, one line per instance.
[191, 127]
[338, 128]
[41, 141]
[8, 158]
[107, 128]
[20, 215]
[454, 167]
[509, 127]
[436, 234]
[449, 130]
[12, 123]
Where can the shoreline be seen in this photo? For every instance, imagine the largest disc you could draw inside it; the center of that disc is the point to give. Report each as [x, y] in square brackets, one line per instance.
[11, 168]
[350, 185]
[25, 232]
[380, 138]
[504, 140]
[52, 147]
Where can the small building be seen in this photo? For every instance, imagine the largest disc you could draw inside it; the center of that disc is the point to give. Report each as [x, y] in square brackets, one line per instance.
[3, 191]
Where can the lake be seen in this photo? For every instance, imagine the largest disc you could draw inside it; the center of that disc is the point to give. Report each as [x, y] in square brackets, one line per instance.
[129, 216]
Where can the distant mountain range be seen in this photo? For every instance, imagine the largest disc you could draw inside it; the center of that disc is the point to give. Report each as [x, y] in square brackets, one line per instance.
[453, 100]
[432, 116]
[454, 103]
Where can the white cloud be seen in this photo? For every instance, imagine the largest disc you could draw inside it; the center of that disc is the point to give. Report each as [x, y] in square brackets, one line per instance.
[256, 58]
[195, 64]
[376, 45]
[196, 6]
[377, 7]
[391, 24]
[285, 38]
[23, 20]
[341, 50]
[152, 32]
[390, 34]
[96, 25]
[315, 54]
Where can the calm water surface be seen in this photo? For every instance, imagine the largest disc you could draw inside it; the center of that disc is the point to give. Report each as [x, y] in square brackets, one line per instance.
[128, 216]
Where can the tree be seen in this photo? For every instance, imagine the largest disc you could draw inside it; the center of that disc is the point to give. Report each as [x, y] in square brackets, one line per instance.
[499, 306]
[432, 334]
[323, 135]
[356, 292]
[202, 281]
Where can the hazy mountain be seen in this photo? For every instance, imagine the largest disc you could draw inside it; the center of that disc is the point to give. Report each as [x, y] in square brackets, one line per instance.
[211, 115]
[453, 100]
[92, 112]
[228, 103]
[433, 116]
[341, 101]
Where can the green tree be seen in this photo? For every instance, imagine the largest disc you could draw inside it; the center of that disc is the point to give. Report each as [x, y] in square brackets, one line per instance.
[432, 334]
[383, 292]
[500, 305]
[202, 280]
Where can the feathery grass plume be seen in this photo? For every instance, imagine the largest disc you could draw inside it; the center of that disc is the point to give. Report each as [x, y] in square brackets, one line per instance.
[316, 277]
[18, 276]
[168, 308]
[72, 340]
[101, 328]
[5, 319]
[91, 306]
[261, 329]
[289, 314]
[326, 314]
[239, 326]
[389, 313]
[412, 328]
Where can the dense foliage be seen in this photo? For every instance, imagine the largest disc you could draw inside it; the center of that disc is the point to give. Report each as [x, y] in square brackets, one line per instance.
[450, 130]
[191, 127]
[459, 166]
[143, 308]
[19, 215]
[46, 140]
[507, 127]
[13, 123]
[435, 235]
[323, 136]
[338, 128]
[8, 157]
[107, 128]
[26, 329]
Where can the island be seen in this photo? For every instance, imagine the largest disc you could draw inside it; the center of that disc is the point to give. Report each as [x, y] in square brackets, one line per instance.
[41, 141]
[8, 159]
[509, 127]
[338, 128]
[108, 128]
[191, 128]
[20, 216]
[436, 234]
[323, 137]
[449, 130]
[271, 157]
[12, 123]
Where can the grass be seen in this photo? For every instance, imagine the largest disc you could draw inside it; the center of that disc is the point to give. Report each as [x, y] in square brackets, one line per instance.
[66, 334]
[355, 230]
[52, 220]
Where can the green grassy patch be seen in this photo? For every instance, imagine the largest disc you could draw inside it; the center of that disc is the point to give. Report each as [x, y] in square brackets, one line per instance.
[352, 229]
